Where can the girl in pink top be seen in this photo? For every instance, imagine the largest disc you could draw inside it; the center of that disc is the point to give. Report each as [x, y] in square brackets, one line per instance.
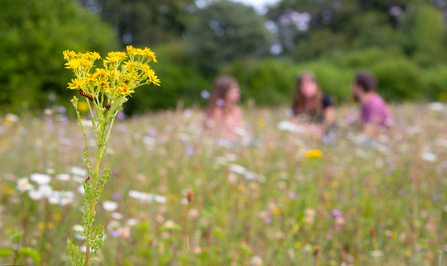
[223, 116]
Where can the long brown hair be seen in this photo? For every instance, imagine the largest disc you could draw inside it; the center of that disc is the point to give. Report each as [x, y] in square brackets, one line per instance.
[222, 85]
[299, 104]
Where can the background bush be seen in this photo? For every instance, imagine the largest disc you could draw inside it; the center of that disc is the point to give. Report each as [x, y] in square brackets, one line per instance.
[34, 34]
[403, 42]
[399, 79]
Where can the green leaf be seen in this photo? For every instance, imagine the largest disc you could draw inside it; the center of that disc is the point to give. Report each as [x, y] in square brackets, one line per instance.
[33, 254]
[16, 235]
[5, 252]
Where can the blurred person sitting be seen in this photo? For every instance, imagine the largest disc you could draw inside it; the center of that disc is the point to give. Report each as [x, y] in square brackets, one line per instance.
[310, 106]
[374, 112]
[223, 116]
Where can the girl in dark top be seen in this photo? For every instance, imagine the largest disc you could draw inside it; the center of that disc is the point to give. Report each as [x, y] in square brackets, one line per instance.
[310, 105]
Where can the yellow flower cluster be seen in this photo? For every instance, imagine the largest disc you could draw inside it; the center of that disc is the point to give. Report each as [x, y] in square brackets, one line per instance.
[313, 154]
[122, 73]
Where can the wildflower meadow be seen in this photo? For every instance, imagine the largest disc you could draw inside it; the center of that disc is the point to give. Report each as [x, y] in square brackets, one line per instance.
[277, 196]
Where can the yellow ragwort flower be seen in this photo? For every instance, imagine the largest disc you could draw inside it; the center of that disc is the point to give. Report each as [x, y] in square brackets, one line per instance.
[140, 52]
[94, 55]
[115, 57]
[76, 84]
[102, 72]
[124, 90]
[68, 54]
[130, 50]
[150, 54]
[73, 64]
[115, 74]
[92, 79]
[154, 79]
[86, 63]
[104, 85]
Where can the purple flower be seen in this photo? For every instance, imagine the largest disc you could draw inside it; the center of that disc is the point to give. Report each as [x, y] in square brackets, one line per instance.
[291, 195]
[65, 121]
[220, 102]
[50, 126]
[114, 234]
[336, 213]
[115, 171]
[249, 175]
[444, 164]
[153, 133]
[205, 94]
[120, 115]
[268, 220]
[189, 151]
[122, 127]
[435, 196]
[115, 196]
[61, 109]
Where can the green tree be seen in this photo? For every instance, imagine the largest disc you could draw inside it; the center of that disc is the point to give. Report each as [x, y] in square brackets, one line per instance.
[226, 30]
[426, 35]
[146, 22]
[34, 33]
[309, 29]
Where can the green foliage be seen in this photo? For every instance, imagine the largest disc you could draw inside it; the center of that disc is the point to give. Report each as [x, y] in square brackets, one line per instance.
[365, 58]
[399, 79]
[6, 252]
[145, 22]
[426, 33]
[266, 81]
[435, 80]
[226, 30]
[180, 82]
[272, 82]
[33, 34]
[16, 251]
[33, 254]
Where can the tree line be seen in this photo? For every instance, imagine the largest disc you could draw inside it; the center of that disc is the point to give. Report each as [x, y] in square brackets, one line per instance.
[402, 41]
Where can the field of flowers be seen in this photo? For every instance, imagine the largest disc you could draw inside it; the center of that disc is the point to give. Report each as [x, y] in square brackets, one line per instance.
[270, 199]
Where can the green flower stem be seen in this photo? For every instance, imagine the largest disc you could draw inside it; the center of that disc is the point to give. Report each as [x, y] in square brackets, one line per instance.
[95, 179]
[85, 135]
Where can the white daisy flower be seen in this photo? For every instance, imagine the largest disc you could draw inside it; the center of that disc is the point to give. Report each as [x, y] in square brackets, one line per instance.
[116, 215]
[429, 157]
[110, 206]
[160, 199]
[63, 177]
[23, 184]
[36, 194]
[41, 179]
[132, 222]
[81, 189]
[79, 171]
[65, 201]
[46, 190]
[238, 169]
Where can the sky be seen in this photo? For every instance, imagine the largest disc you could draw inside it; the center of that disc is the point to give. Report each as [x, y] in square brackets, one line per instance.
[259, 5]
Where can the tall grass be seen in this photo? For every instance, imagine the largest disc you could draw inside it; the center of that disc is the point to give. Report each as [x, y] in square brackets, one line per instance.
[361, 203]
